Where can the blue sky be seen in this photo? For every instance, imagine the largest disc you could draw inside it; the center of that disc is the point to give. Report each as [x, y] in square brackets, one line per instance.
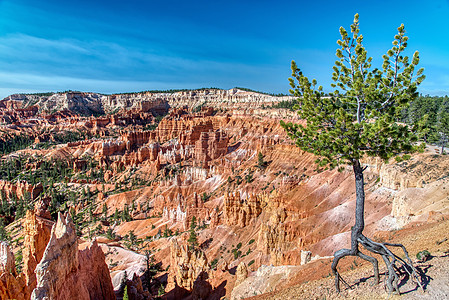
[123, 46]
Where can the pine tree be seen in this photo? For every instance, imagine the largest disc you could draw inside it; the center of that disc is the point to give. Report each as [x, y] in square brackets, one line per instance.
[359, 119]
[125, 214]
[260, 161]
[167, 232]
[132, 239]
[442, 128]
[193, 239]
[90, 210]
[116, 214]
[152, 268]
[125, 293]
[424, 128]
[4, 236]
[20, 208]
[105, 212]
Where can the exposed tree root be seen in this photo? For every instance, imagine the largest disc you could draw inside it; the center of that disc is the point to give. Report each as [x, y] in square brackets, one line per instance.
[391, 260]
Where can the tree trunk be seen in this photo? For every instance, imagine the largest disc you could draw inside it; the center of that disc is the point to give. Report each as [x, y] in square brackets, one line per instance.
[359, 206]
[443, 142]
[357, 237]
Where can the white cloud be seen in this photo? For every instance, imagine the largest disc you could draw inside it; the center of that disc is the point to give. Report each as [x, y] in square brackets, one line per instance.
[19, 51]
[33, 64]
[23, 41]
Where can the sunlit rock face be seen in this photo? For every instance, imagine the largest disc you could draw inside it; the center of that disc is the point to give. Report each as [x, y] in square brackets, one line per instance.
[256, 217]
[11, 285]
[68, 273]
[188, 266]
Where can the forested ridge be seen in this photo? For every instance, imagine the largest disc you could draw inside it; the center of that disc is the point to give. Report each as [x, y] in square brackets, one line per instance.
[431, 113]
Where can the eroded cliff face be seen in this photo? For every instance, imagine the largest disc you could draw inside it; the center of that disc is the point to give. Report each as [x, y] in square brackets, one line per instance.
[7, 263]
[20, 189]
[256, 198]
[418, 188]
[37, 232]
[67, 273]
[240, 212]
[190, 270]
[282, 212]
[53, 266]
[89, 103]
[11, 285]
[60, 260]
[36, 235]
[92, 103]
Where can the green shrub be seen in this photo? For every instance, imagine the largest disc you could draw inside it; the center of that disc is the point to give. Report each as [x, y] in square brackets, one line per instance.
[161, 290]
[249, 178]
[213, 264]
[238, 179]
[125, 293]
[237, 253]
[423, 255]
[205, 197]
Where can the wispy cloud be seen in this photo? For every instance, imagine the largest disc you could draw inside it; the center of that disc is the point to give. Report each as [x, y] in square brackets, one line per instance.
[226, 76]
[24, 52]
[22, 41]
[134, 45]
[95, 59]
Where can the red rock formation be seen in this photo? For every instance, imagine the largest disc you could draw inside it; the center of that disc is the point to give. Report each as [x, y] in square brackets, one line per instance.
[11, 111]
[94, 273]
[11, 285]
[67, 273]
[241, 212]
[188, 128]
[195, 208]
[276, 240]
[188, 267]
[156, 103]
[60, 116]
[135, 139]
[135, 289]
[79, 165]
[211, 145]
[19, 189]
[180, 209]
[7, 262]
[37, 234]
[241, 273]
[110, 148]
[194, 154]
[10, 104]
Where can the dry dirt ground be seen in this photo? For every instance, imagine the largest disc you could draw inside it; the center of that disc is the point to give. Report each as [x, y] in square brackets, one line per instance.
[434, 273]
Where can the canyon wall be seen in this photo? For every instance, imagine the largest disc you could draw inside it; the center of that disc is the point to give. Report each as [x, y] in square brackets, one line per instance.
[157, 103]
[257, 199]
[53, 266]
[68, 273]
